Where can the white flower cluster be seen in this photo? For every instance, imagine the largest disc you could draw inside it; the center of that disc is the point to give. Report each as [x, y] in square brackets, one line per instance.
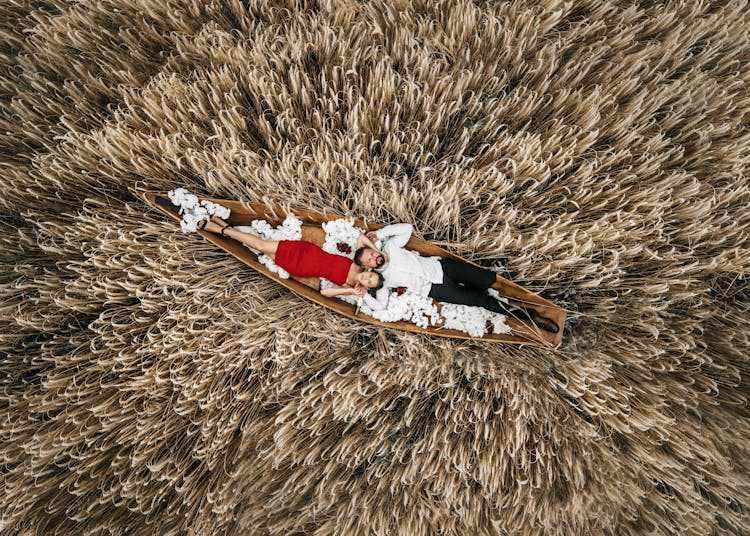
[473, 320]
[290, 229]
[420, 310]
[341, 231]
[423, 312]
[194, 211]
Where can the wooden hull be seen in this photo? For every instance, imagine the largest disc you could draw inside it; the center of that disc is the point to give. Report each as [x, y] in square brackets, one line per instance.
[244, 213]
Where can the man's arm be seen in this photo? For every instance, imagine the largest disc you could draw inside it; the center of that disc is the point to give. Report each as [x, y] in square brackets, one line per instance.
[380, 301]
[397, 234]
[364, 240]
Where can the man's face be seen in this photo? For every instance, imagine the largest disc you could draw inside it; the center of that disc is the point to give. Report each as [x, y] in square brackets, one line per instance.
[372, 259]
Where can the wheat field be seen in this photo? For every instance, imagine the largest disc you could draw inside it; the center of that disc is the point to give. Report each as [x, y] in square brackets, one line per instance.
[596, 152]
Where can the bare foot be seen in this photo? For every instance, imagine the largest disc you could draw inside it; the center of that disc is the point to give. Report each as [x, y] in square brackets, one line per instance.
[218, 220]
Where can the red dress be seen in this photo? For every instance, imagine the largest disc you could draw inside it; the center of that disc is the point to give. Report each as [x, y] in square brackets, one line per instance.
[305, 259]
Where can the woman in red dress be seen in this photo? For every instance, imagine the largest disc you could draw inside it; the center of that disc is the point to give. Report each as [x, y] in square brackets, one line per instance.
[305, 259]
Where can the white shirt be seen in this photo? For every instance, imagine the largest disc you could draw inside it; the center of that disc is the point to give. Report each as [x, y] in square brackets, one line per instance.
[404, 268]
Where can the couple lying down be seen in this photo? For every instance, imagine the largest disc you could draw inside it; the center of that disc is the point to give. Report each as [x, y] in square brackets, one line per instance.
[381, 262]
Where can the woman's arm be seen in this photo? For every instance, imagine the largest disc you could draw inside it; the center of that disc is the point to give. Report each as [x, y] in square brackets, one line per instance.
[331, 292]
[380, 300]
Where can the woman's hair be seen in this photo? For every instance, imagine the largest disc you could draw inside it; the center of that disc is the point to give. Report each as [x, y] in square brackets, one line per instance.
[377, 287]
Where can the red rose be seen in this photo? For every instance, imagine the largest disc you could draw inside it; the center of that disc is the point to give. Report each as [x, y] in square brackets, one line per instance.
[343, 247]
[399, 290]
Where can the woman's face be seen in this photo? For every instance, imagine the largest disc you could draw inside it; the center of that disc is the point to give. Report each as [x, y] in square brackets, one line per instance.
[369, 279]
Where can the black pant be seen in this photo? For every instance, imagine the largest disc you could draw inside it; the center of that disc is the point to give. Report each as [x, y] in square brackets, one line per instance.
[466, 284]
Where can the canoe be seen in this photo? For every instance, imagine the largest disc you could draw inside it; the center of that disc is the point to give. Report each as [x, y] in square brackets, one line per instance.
[522, 332]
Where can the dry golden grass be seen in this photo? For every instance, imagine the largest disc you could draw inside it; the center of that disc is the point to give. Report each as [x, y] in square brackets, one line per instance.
[598, 150]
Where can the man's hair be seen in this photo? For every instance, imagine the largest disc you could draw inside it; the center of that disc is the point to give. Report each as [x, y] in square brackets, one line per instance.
[358, 255]
[377, 287]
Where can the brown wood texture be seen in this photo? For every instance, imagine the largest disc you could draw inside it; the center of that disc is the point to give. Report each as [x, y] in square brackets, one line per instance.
[244, 213]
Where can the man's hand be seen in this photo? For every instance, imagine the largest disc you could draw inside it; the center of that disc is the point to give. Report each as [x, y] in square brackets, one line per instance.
[372, 235]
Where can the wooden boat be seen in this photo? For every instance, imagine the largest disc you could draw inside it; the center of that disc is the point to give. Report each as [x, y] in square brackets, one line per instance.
[522, 332]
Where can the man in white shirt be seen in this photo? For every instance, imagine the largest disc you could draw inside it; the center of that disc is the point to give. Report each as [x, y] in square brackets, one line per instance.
[444, 280]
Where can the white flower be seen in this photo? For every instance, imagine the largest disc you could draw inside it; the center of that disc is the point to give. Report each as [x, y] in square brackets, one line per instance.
[261, 227]
[473, 320]
[194, 211]
[216, 209]
[342, 231]
[420, 310]
[495, 294]
[182, 197]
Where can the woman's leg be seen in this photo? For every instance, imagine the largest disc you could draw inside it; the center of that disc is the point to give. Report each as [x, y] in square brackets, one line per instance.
[268, 247]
